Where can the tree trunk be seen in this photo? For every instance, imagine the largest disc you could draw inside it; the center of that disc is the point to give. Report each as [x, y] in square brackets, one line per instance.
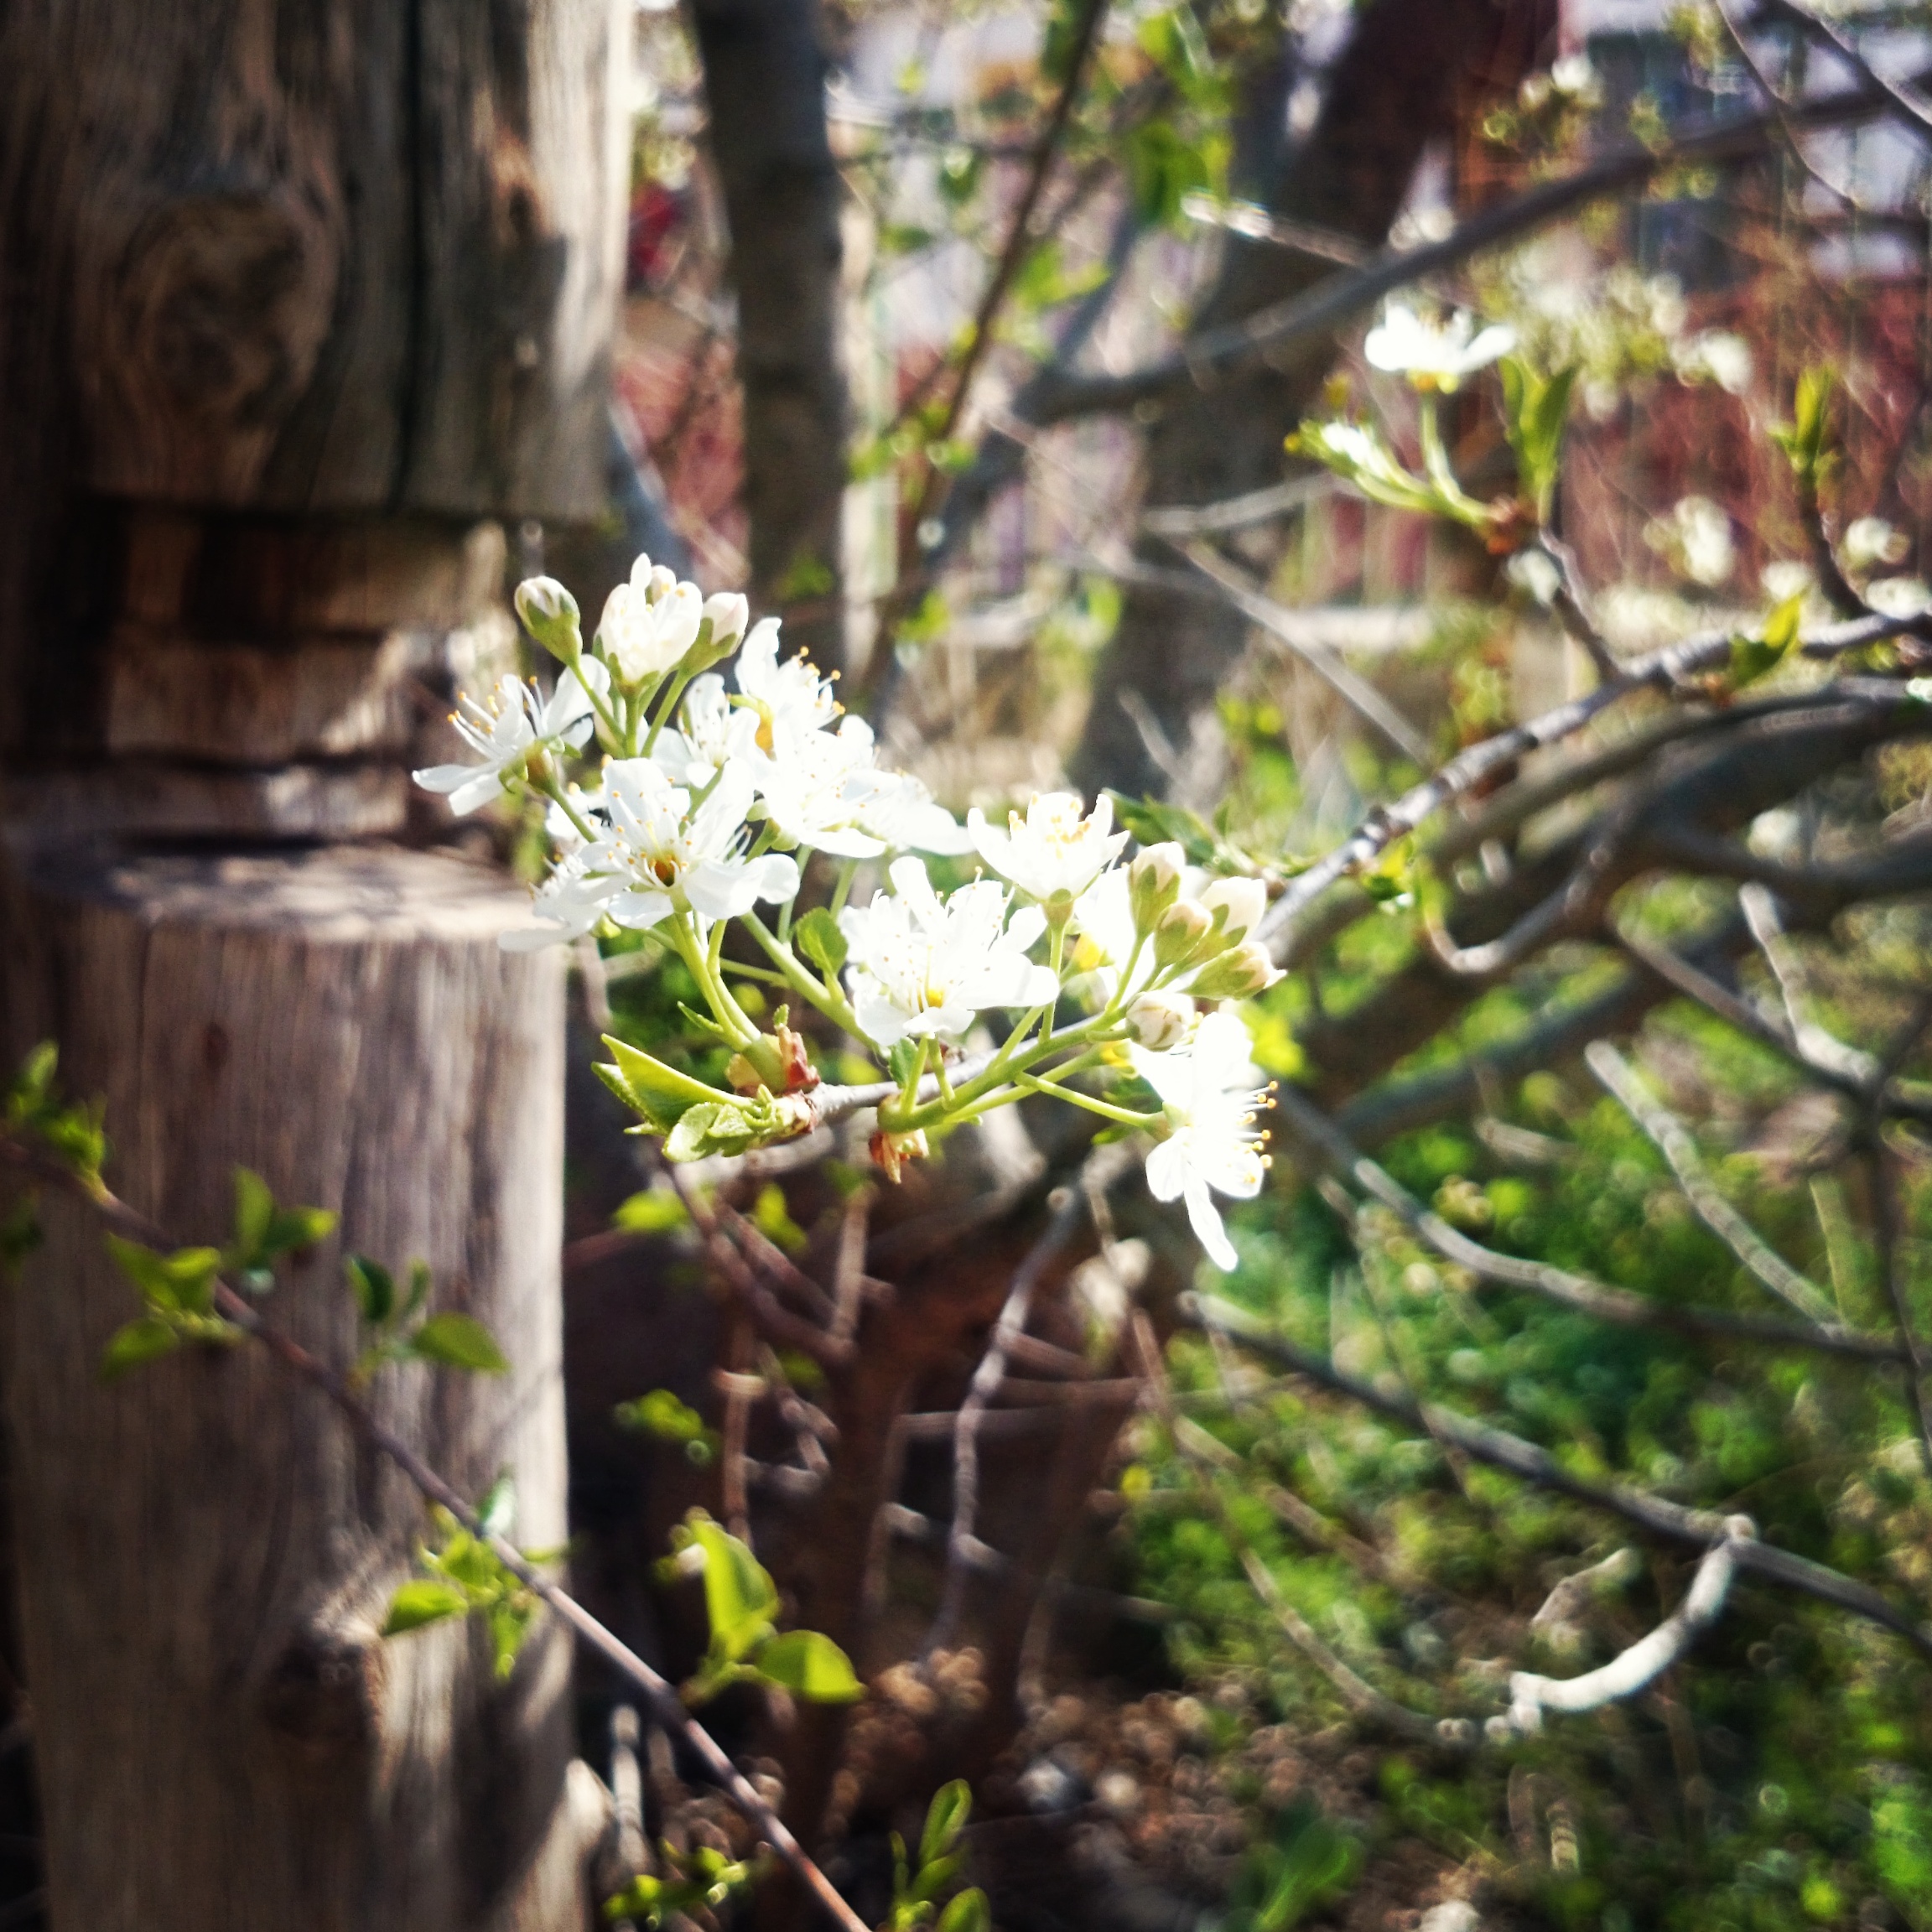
[205, 1550]
[764, 83]
[1411, 73]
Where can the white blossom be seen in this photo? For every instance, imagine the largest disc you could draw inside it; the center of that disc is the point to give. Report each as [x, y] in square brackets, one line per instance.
[1053, 854]
[1696, 537]
[1718, 355]
[503, 730]
[568, 904]
[1240, 901]
[649, 623]
[1434, 354]
[905, 815]
[923, 966]
[817, 788]
[1209, 1096]
[727, 612]
[1872, 541]
[671, 859]
[712, 733]
[787, 699]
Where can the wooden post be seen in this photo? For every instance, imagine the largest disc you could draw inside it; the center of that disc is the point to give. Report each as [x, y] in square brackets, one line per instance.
[205, 1552]
[300, 301]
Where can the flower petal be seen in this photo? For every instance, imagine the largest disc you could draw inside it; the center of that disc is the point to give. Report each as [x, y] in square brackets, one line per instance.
[1206, 1220]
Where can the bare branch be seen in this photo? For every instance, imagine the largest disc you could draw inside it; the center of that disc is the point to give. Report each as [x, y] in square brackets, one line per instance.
[1658, 670]
[1908, 105]
[1620, 1305]
[1217, 352]
[1668, 1133]
[1648, 1659]
[1325, 663]
[1671, 1521]
[1820, 1048]
[1103, 1167]
[1180, 521]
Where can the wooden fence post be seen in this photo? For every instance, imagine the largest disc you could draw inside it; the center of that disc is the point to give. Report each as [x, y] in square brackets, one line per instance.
[300, 301]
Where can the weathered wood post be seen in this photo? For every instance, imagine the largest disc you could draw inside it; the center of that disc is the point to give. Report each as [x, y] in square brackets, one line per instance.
[297, 303]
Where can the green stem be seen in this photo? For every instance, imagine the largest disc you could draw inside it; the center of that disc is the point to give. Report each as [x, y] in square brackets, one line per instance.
[738, 1030]
[843, 890]
[827, 999]
[675, 688]
[1124, 1115]
[554, 792]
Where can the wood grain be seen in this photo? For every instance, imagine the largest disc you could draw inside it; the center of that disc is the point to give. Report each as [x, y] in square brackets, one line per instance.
[205, 1554]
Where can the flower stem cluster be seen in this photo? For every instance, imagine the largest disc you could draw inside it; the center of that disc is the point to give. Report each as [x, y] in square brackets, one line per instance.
[690, 804]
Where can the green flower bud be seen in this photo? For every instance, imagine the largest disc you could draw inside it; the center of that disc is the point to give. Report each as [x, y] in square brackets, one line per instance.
[1179, 932]
[1154, 883]
[550, 614]
[1239, 974]
[1241, 901]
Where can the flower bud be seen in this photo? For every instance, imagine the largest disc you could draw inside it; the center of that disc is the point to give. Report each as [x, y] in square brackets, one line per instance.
[1154, 883]
[1245, 899]
[1179, 932]
[550, 614]
[1159, 1020]
[891, 1152]
[1239, 974]
[728, 613]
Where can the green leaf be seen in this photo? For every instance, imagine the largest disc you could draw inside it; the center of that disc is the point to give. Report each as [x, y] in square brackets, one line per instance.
[1536, 408]
[423, 1601]
[497, 1511]
[139, 1342]
[1163, 169]
[1755, 657]
[740, 1597]
[254, 1211]
[660, 1413]
[1152, 822]
[810, 1665]
[418, 1290]
[183, 1280]
[967, 1913]
[1805, 440]
[946, 1818]
[373, 1286]
[459, 1342]
[711, 1127]
[936, 1876]
[510, 1623]
[654, 1210]
[648, 1087]
[294, 1228]
[819, 939]
[772, 1220]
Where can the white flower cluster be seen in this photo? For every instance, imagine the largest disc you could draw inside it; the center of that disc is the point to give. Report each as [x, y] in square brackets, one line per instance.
[711, 796]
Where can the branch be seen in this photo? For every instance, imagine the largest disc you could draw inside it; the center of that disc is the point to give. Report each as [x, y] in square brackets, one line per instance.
[1597, 1299]
[116, 1214]
[1819, 1048]
[1218, 352]
[1671, 1521]
[1667, 1133]
[1325, 663]
[1658, 670]
[1646, 1659]
[1103, 1167]
[1907, 105]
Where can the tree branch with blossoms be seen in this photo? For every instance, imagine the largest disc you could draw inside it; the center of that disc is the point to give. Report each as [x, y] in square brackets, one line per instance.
[683, 805]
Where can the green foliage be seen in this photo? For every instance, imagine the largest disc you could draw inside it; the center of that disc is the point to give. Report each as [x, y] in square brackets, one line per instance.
[651, 1211]
[1535, 410]
[398, 1331]
[1305, 1863]
[265, 1232]
[1806, 440]
[660, 1413]
[1755, 657]
[33, 1111]
[818, 936]
[699, 1880]
[741, 1603]
[916, 1894]
[1164, 168]
[465, 1577]
[179, 1292]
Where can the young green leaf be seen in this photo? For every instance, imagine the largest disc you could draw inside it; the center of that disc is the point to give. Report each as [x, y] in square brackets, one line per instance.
[740, 1597]
[819, 939]
[254, 1212]
[654, 1210]
[497, 1511]
[423, 1601]
[809, 1665]
[459, 1342]
[1755, 657]
[648, 1087]
[946, 1818]
[139, 1341]
[714, 1127]
[968, 1912]
[373, 1286]
[183, 1280]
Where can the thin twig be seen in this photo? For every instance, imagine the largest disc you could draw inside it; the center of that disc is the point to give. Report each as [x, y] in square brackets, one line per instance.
[1908, 105]
[1672, 1521]
[299, 1362]
[1671, 1140]
[1103, 1167]
[1620, 1306]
